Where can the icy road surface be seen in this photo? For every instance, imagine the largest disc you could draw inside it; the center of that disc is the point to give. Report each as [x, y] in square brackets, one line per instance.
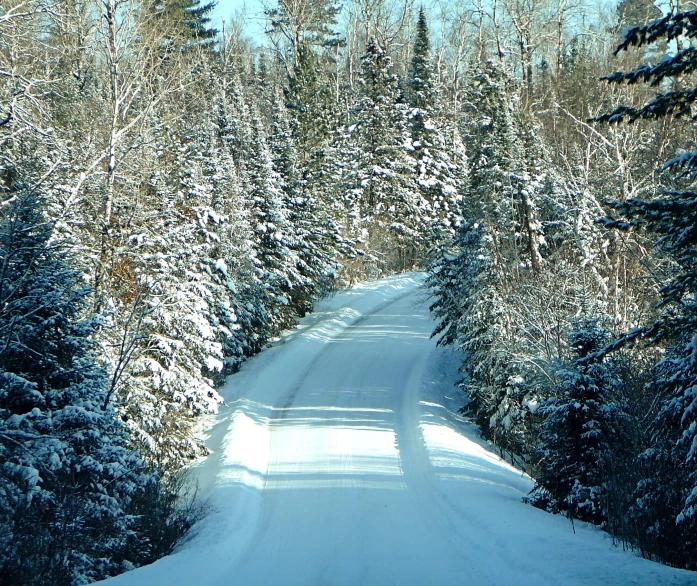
[338, 460]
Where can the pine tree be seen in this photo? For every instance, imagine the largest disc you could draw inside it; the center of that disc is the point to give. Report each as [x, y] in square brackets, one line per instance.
[632, 13]
[473, 279]
[307, 23]
[185, 288]
[189, 20]
[510, 173]
[260, 308]
[437, 146]
[276, 271]
[671, 218]
[471, 306]
[582, 425]
[498, 171]
[310, 105]
[66, 474]
[235, 134]
[381, 193]
[227, 237]
[311, 235]
[500, 262]
[421, 87]
[198, 21]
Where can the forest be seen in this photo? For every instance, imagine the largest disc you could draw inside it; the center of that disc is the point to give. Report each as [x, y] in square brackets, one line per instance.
[174, 194]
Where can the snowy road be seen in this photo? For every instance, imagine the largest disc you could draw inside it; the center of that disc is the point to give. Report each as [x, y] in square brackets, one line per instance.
[339, 461]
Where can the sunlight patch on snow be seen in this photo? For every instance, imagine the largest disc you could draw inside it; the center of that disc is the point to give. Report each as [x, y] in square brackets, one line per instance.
[318, 452]
[330, 328]
[431, 404]
[341, 409]
[310, 447]
[346, 481]
[245, 457]
[448, 448]
[455, 457]
[379, 333]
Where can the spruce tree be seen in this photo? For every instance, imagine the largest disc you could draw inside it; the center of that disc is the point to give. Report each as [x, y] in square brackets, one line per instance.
[438, 151]
[310, 106]
[496, 264]
[311, 236]
[381, 192]
[186, 318]
[632, 13]
[66, 474]
[582, 425]
[507, 169]
[276, 272]
[470, 304]
[670, 217]
[189, 20]
[307, 23]
[421, 87]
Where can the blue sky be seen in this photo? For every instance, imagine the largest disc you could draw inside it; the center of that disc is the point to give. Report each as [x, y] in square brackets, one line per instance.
[227, 8]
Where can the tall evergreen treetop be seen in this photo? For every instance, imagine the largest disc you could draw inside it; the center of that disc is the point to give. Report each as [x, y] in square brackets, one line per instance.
[199, 19]
[377, 73]
[309, 101]
[420, 85]
[381, 178]
[305, 23]
[637, 12]
[190, 18]
[437, 147]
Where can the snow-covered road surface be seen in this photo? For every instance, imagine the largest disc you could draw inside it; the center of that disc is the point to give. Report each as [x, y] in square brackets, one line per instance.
[338, 460]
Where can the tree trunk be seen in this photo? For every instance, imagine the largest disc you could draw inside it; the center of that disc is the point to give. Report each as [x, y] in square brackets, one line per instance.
[532, 228]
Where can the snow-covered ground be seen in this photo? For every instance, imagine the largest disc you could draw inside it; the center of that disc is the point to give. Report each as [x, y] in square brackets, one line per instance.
[339, 460]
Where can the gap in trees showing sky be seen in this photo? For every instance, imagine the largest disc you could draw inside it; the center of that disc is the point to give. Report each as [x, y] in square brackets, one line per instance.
[250, 10]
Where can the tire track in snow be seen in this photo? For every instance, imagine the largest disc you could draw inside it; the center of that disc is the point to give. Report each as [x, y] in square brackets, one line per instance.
[281, 408]
[286, 401]
[419, 475]
[421, 479]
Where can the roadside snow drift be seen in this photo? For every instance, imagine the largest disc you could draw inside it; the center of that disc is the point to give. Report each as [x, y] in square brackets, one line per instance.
[339, 460]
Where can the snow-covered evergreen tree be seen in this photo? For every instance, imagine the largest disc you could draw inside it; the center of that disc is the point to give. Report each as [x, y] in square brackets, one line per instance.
[500, 181]
[187, 319]
[381, 193]
[437, 146]
[309, 102]
[670, 217]
[184, 22]
[582, 424]
[504, 287]
[66, 473]
[488, 260]
[311, 235]
[276, 265]
[470, 302]
[233, 127]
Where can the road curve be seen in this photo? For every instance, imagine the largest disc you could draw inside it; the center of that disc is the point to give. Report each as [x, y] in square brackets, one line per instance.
[339, 461]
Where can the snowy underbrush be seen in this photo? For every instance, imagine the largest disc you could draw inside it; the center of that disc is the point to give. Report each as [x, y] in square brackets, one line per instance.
[546, 382]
